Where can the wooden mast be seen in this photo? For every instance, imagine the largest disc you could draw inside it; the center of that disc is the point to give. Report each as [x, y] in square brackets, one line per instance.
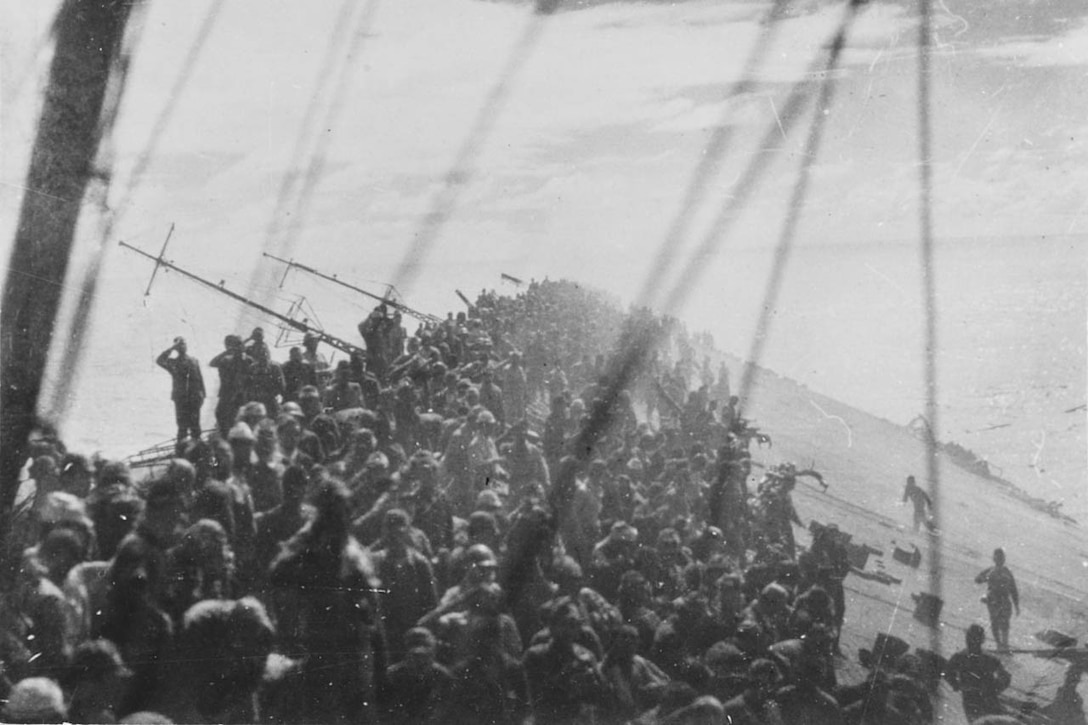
[88, 42]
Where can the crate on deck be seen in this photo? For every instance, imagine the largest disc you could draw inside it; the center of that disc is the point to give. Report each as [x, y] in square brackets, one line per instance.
[927, 608]
[911, 558]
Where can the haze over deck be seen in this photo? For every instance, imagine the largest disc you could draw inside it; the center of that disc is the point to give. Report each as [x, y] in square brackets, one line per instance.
[587, 163]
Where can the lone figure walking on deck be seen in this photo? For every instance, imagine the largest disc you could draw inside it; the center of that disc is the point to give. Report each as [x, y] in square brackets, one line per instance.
[1001, 597]
[188, 388]
[923, 504]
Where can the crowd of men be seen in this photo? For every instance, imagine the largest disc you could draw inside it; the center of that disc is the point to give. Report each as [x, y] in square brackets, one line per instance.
[427, 534]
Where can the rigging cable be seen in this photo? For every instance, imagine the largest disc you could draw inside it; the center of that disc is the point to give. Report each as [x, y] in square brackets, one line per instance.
[88, 38]
[929, 298]
[460, 173]
[309, 130]
[316, 167]
[712, 156]
[786, 237]
[742, 190]
[631, 360]
[749, 180]
[73, 351]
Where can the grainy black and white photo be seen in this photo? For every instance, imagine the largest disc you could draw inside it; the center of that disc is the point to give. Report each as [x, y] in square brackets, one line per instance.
[544, 362]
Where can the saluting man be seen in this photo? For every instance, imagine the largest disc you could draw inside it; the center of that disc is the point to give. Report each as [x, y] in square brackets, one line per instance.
[187, 390]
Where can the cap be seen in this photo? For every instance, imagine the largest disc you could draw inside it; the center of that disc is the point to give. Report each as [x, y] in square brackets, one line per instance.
[377, 459]
[420, 639]
[723, 656]
[397, 517]
[146, 717]
[266, 430]
[179, 340]
[35, 699]
[241, 432]
[488, 500]
[115, 472]
[482, 523]
[60, 506]
[763, 670]
[96, 659]
[181, 471]
[625, 532]
[162, 491]
[423, 459]
[775, 594]
[481, 555]
[668, 536]
[292, 408]
[253, 409]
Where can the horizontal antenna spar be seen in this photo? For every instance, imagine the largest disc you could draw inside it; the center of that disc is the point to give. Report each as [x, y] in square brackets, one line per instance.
[333, 278]
[328, 339]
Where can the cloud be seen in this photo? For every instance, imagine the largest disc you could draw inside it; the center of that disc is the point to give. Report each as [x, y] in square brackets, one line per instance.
[1067, 49]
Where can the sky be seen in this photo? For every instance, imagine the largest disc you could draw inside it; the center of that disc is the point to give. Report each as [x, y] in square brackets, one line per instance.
[613, 93]
[597, 117]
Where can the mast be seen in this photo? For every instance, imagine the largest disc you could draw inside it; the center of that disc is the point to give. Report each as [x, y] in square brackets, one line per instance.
[292, 264]
[321, 335]
[88, 45]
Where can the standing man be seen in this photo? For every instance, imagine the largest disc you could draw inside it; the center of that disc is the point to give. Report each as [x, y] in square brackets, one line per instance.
[256, 342]
[374, 333]
[264, 381]
[833, 563]
[923, 504]
[298, 372]
[233, 365]
[978, 676]
[187, 390]
[318, 361]
[1001, 597]
[343, 393]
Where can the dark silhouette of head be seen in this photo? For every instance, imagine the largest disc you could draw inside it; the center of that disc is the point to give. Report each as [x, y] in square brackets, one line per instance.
[975, 636]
